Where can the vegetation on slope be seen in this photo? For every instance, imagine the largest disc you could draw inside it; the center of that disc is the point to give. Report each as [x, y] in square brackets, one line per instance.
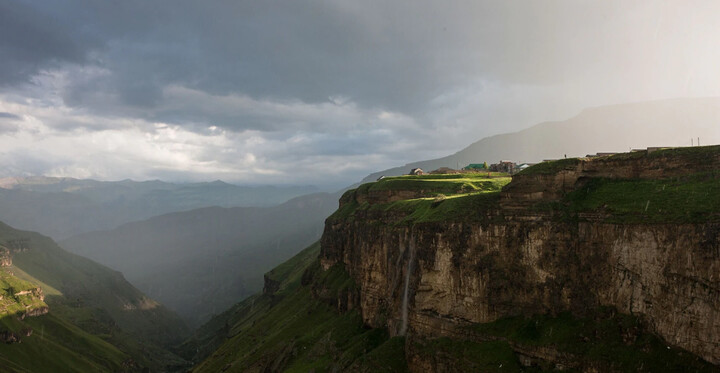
[17, 296]
[691, 199]
[607, 341]
[695, 154]
[86, 297]
[441, 183]
[56, 345]
[466, 195]
[695, 198]
[688, 199]
[462, 207]
[48, 343]
[292, 330]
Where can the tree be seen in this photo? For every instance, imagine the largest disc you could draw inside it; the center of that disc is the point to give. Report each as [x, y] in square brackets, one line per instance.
[485, 165]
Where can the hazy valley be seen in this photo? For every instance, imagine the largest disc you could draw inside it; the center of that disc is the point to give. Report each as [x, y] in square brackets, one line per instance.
[200, 262]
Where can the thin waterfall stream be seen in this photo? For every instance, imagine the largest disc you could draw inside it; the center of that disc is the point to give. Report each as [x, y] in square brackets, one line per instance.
[406, 291]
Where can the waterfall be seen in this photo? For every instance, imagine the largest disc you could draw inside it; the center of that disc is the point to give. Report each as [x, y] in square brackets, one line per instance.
[406, 295]
[398, 273]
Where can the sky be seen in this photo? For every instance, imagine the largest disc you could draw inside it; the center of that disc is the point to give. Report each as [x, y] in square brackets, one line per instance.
[320, 92]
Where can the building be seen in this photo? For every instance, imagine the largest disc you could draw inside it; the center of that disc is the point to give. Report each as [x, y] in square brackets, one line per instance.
[416, 171]
[476, 166]
[503, 166]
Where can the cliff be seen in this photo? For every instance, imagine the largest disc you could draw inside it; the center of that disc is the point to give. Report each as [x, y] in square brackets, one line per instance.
[595, 240]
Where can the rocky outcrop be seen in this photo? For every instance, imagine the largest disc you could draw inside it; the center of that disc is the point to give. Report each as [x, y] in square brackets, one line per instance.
[432, 279]
[270, 286]
[36, 293]
[18, 245]
[5, 257]
[33, 312]
[9, 337]
[552, 183]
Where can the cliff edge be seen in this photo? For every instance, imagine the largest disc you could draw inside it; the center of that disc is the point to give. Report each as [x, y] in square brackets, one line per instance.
[595, 239]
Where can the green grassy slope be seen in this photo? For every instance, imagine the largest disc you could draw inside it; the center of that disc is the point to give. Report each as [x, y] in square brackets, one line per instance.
[16, 295]
[453, 197]
[605, 342]
[91, 303]
[692, 198]
[438, 184]
[58, 346]
[293, 331]
[695, 198]
[47, 343]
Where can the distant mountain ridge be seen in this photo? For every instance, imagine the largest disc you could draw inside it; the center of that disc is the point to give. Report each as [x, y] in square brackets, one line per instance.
[62, 207]
[614, 128]
[202, 261]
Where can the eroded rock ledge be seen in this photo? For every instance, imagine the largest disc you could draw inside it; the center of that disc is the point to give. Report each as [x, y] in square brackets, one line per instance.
[438, 277]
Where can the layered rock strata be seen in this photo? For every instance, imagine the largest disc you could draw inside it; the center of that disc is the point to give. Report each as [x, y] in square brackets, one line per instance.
[431, 279]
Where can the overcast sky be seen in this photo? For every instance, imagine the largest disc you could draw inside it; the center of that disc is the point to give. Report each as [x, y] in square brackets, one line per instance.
[320, 92]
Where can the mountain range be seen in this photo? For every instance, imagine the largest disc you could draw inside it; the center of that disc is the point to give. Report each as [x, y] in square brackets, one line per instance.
[63, 207]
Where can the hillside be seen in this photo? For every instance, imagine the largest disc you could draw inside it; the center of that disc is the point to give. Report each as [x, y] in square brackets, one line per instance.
[605, 264]
[118, 327]
[200, 262]
[295, 327]
[615, 128]
[62, 207]
[34, 341]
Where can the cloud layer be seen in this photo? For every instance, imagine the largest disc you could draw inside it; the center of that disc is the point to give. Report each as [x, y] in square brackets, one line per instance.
[320, 91]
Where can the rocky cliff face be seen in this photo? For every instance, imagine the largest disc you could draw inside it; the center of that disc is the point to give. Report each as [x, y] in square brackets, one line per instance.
[430, 279]
[5, 257]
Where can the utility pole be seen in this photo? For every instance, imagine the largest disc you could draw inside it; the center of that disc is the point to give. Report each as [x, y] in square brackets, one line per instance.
[698, 140]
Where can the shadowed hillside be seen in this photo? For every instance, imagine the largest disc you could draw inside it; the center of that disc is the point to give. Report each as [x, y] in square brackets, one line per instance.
[76, 315]
[202, 261]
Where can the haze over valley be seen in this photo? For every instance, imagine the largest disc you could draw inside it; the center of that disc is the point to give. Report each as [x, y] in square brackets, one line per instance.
[376, 186]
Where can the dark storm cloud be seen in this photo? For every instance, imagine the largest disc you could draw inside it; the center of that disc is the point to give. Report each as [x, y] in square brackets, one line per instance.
[273, 87]
[31, 40]
[391, 55]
